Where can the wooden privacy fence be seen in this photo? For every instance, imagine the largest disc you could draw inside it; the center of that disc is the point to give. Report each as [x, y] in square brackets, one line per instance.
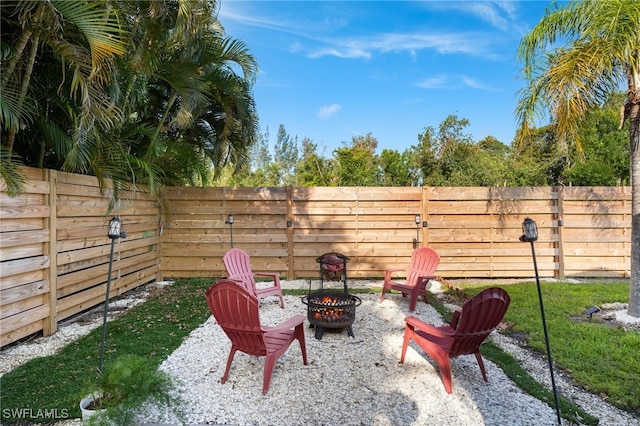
[54, 249]
[583, 232]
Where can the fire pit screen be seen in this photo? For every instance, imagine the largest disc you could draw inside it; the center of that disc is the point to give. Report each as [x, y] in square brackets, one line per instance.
[331, 309]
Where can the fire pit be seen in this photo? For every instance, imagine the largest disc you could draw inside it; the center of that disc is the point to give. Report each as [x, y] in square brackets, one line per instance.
[331, 309]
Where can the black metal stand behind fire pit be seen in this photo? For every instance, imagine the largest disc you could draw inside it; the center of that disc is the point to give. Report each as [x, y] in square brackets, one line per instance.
[331, 309]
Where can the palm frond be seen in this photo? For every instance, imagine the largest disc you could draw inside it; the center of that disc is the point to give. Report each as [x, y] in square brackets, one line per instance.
[13, 178]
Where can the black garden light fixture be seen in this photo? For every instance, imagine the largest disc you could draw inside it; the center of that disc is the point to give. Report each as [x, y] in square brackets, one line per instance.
[416, 240]
[530, 234]
[229, 222]
[592, 310]
[114, 232]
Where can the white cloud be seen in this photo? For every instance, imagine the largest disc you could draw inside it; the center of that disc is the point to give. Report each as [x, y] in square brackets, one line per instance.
[437, 82]
[316, 33]
[475, 84]
[469, 43]
[502, 15]
[328, 111]
[445, 81]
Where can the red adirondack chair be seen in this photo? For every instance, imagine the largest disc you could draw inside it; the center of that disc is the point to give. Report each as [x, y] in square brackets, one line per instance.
[238, 266]
[422, 266]
[469, 328]
[236, 310]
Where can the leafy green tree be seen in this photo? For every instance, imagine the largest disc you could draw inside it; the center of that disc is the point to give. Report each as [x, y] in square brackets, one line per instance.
[312, 169]
[396, 168]
[145, 93]
[541, 156]
[357, 165]
[286, 155]
[259, 155]
[493, 146]
[425, 159]
[198, 108]
[604, 157]
[57, 57]
[573, 60]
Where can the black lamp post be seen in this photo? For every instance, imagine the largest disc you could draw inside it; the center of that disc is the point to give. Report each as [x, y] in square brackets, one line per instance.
[530, 234]
[114, 232]
[229, 222]
[416, 240]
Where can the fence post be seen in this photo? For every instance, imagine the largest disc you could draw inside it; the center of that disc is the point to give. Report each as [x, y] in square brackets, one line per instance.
[289, 224]
[558, 225]
[50, 324]
[424, 211]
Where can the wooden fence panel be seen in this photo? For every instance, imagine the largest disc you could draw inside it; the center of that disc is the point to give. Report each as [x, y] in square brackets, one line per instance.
[477, 230]
[372, 226]
[24, 259]
[83, 247]
[196, 236]
[54, 251]
[596, 230]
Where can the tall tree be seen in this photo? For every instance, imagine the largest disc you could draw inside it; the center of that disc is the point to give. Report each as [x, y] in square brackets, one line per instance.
[259, 155]
[286, 154]
[57, 57]
[604, 158]
[144, 92]
[358, 165]
[396, 168]
[426, 161]
[312, 169]
[573, 60]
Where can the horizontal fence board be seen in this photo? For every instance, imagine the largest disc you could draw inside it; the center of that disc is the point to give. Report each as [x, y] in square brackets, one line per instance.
[9, 211]
[23, 305]
[27, 250]
[19, 238]
[25, 331]
[490, 193]
[16, 294]
[19, 266]
[9, 225]
[24, 318]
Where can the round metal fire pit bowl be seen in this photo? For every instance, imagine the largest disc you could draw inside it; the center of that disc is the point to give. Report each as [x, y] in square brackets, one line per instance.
[328, 309]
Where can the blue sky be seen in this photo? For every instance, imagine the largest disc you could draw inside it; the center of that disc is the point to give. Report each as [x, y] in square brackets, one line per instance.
[332, 70]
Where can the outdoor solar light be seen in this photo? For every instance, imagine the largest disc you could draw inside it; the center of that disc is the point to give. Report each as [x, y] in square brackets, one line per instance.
[416, 240]
[114, 228]
[114, 232]
[229, 222]
[530, 234]
[592, 310]
[529, 230]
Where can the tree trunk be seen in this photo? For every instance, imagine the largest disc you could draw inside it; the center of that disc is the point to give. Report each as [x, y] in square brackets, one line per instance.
[634, 140]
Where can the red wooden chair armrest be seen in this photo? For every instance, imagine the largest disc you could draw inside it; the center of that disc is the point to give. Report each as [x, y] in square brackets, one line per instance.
[292, 322]
[267, 274]
[388, 272]
[417, 323]
[427, 277]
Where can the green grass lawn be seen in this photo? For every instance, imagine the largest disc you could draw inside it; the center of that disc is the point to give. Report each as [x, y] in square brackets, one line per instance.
[601, 358]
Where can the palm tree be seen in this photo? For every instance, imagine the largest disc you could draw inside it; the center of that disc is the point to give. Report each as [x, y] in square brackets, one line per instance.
[574, 59]
[185, 106]
[161, 105]
[56, 59]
